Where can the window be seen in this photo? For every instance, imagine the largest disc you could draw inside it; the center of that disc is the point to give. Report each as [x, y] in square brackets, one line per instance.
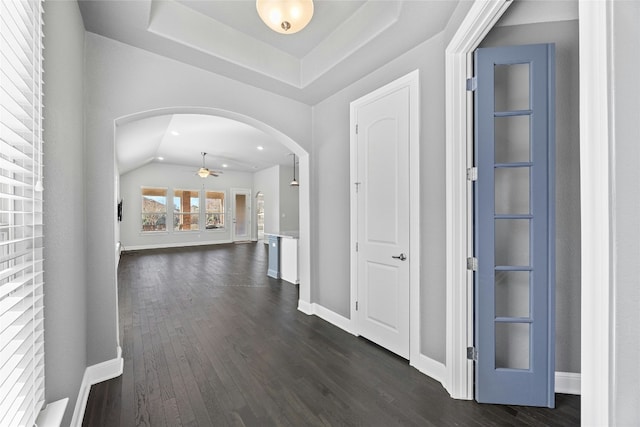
[154, 209]
[186, 210]
[21, 230]
[215, 209]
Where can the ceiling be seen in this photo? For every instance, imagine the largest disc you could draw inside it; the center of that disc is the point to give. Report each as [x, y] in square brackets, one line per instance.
[345, 40]
[180, 138]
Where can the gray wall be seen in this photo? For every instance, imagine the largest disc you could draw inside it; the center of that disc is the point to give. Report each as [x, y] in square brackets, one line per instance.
[626, 205]
[148, 82]
[64, 200]
[565, 36]
[174, 178]
[289, 200]
[330, 191]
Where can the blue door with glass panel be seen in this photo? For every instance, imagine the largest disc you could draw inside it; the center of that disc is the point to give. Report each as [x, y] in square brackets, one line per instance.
[514, 217]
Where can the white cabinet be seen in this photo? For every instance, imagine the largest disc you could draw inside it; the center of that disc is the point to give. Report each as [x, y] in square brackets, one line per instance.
[289, 259]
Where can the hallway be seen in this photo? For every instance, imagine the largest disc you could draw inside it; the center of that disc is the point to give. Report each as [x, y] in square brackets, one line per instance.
[208, 339]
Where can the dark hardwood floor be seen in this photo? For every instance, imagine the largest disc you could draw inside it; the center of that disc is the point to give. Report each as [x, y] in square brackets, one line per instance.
[209, 340]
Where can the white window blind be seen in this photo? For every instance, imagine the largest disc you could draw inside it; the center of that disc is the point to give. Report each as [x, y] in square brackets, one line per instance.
[21, 234]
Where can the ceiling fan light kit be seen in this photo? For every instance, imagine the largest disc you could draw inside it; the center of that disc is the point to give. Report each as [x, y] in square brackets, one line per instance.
[203, 172]
[285, 16]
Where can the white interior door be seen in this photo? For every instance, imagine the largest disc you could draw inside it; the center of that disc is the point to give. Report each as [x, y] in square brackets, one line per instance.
[383, 257]
[241, 227]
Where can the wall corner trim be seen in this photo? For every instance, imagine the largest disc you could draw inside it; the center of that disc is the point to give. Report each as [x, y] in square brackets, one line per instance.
[568, 382]
[95, 374]
[305, 307]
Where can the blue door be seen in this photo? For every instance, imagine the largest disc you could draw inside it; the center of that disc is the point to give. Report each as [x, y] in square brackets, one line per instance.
[514, 217]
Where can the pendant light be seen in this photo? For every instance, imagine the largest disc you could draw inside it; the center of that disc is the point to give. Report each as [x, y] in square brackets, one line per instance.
[294, 183]
[285, 16]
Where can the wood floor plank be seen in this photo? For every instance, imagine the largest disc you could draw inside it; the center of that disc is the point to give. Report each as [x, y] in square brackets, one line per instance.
[209, 340]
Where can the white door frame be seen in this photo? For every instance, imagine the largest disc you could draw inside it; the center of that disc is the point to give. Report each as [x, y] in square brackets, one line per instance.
[247, 192]
[595, 140]
[411, 81]
[459, 142]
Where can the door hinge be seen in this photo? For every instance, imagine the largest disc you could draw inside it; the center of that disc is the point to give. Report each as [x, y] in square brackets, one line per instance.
[357, 184]
[356, 305]
[356, 129]
[472, 354]
[357, 247]
[472, 83]
[472, 263]
[472, 174]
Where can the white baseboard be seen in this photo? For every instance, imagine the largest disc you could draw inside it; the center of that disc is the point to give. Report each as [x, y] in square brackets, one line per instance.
[568, 383]
[326, 314]
[52, 414]
[431, 368]
[95, 374]
[305, 307]
[333, 318]
[174, 245]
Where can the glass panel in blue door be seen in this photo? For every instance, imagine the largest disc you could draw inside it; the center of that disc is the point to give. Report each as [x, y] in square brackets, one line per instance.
[512, 346]
[511, 87]
[512, 139]
[512, 242]
[512, 294]
[512, 190]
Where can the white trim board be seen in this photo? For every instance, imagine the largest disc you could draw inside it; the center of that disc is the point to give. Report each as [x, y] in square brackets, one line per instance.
[568, 382]
[173, 245]
[459, 137]
[431, 368]
[95, 374]
[596, 140]
[427, 366]
[52, 414]
[314, 309]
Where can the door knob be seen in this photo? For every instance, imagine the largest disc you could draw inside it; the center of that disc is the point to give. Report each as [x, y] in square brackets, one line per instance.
[401, 257]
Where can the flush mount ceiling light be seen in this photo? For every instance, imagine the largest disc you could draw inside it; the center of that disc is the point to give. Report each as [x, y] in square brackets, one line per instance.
[285, 16]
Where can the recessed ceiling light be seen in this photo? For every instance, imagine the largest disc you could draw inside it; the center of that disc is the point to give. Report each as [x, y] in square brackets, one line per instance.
[224, 165]
[175, 133]
[160, 158]
[260, 147]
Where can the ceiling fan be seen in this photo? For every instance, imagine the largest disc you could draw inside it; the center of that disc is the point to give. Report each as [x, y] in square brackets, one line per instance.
[203, 172]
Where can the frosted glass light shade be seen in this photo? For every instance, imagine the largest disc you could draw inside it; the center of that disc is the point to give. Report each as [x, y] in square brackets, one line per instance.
[285, 16]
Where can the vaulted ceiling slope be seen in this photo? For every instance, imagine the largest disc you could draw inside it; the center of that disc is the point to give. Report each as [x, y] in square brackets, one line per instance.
[345, 40]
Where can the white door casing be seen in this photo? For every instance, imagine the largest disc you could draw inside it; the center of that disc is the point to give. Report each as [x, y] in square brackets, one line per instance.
[459, 136]
[384, 216]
